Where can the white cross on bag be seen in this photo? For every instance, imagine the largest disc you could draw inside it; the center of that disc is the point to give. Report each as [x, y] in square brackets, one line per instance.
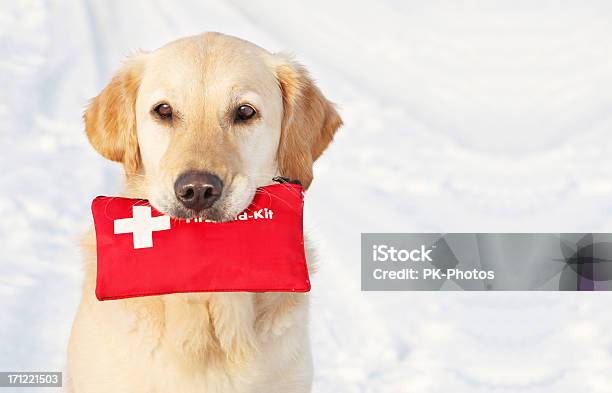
[142, 226]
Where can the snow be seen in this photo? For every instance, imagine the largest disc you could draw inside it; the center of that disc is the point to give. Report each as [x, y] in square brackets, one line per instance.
[459, 117]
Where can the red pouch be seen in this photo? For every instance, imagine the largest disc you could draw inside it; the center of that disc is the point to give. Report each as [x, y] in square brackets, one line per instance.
[141, 252]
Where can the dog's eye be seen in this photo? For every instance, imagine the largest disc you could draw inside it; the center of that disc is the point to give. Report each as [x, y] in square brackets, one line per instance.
[245, 112]
[163, 110]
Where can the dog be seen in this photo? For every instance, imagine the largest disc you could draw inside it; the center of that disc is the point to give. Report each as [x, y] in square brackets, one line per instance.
[198, 125]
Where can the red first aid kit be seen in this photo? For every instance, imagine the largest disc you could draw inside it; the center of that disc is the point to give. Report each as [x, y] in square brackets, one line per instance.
[142, 252]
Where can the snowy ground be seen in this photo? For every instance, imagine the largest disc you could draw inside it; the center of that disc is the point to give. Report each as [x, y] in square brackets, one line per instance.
[460, 116]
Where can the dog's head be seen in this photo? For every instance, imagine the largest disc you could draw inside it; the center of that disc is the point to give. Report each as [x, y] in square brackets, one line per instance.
[202, 122]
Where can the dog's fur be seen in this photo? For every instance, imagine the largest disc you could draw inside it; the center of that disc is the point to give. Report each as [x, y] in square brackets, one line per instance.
[206, 342]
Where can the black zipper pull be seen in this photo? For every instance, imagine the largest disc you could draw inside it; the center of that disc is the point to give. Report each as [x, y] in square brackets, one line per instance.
[282, 180]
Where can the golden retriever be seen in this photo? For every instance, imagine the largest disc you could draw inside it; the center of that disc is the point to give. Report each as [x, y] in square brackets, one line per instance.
[198, 125]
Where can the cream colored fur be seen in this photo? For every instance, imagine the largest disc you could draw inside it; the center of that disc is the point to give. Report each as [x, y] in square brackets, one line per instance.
[204, 342]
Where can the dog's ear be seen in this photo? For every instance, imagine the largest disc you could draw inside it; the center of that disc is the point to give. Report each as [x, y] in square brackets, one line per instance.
[110, 118]
[309, 121]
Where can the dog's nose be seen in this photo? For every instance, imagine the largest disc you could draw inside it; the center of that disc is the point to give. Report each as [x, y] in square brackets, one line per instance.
[198, 190]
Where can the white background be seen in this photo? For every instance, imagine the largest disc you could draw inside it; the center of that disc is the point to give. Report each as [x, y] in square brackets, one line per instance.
[459, 116]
